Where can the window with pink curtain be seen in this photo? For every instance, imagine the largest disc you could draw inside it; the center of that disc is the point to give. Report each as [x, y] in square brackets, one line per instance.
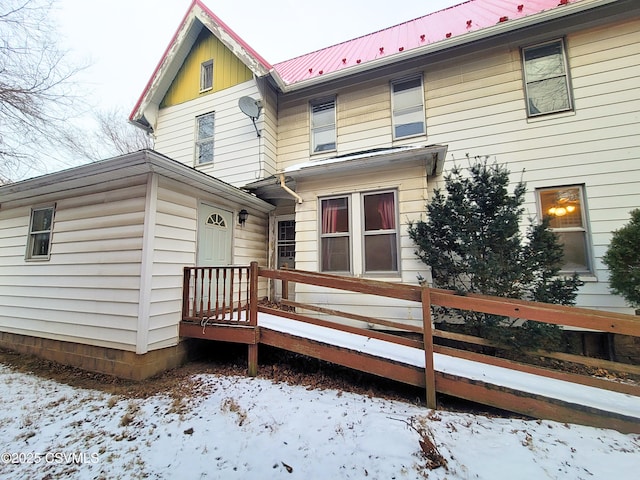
[380, 234]
[335, 235]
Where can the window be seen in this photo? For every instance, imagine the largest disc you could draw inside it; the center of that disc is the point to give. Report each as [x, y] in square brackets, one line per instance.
[335, 236]
[206, 75]
[380, 235]
[216, 220]
[286, 245]
[407, 103]
[370, 217]
[565, 208]
[546, 78]
[204, 140]
[323, 126]
[40, 227]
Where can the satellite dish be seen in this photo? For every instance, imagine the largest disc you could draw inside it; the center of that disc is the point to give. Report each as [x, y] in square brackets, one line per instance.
[251, 108]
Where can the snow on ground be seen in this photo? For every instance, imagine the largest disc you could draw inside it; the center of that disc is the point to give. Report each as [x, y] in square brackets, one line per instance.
[244, 428]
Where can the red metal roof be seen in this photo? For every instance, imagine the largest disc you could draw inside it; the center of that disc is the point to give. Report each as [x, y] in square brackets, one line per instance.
[438, 26]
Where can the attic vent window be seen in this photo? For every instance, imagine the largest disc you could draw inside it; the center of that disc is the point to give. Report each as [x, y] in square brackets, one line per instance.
[206, 76]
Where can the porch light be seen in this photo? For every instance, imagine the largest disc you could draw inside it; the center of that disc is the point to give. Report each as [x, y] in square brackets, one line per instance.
[242, 216]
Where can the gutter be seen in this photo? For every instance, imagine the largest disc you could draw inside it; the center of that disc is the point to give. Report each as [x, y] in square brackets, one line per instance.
[498, 29]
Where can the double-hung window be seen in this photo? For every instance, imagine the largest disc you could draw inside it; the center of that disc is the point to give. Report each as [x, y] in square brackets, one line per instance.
[546, 78]
[323, 126]
[380, 235]
[206, 76]
[565, 208]
[335, 236]
[360, 233]
[40, 229]
[204, 138]
[407, 103]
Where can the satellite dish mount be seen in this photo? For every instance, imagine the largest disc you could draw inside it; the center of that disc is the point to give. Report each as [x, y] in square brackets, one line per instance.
[251, 108]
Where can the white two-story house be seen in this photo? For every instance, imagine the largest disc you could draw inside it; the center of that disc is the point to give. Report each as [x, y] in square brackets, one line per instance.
[348, 142]
[320, 163]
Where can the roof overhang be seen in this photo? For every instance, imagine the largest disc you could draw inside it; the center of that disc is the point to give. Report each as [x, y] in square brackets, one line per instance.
[197, 17]
[142, 162]
[500, 28]
[432, 155]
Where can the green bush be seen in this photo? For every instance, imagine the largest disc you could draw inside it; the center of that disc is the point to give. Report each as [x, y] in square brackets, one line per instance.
[473, 244]
[623, 260]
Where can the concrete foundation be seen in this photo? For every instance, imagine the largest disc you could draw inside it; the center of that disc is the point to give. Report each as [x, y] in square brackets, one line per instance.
[110, 361]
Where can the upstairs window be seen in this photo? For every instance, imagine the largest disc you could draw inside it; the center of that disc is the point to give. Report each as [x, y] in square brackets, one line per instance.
[204, 138]
[206, 75]
[546, 78]
[565, 208]
[40, 228]
[407, 103]
[323, 126]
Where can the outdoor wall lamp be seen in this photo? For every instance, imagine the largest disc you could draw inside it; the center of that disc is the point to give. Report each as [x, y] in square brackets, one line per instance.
[242, 216]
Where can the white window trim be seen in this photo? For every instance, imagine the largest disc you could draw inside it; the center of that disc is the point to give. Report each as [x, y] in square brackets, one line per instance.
[312, 130]
[590, 271]
[349, 234]
[357, 231]
[200, 141]
[567, 77]
[393, 117]
[31, 234]
[364, 233]
[203, 76]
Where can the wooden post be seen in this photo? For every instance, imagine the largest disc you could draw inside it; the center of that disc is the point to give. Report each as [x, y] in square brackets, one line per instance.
[253, 318]
[186, 279]
[429, 369]
[285, 284]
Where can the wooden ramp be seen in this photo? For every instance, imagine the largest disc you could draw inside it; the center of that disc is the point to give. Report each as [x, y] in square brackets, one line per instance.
[512, 386]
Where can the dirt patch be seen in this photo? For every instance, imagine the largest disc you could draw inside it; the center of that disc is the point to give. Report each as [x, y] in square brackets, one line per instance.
[231, 360]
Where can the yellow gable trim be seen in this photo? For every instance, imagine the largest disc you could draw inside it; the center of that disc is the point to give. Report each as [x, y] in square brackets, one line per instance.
[228, 70]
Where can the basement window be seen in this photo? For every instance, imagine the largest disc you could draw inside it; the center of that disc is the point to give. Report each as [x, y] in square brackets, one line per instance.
[40, 230]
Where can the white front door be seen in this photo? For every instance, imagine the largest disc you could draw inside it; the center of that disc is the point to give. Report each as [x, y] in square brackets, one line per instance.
[215, 234]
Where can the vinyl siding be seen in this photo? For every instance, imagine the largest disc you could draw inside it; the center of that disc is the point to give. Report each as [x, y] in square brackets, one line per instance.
[596, 145]
[237, 148]
[174, 247]
[410, 183]
[475, 105]
[228, 71]
[88, 291]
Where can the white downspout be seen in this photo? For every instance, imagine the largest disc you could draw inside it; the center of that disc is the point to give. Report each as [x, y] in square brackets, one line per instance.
[288, 190]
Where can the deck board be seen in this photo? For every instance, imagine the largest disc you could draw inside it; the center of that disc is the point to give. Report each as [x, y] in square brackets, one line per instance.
[591, 399]
[518, 391]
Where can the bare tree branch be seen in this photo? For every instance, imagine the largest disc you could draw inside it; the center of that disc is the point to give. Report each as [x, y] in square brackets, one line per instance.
[37, 93]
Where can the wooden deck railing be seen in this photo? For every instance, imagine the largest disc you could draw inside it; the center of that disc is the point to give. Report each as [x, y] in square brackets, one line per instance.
[218, 294]
[201, 302]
